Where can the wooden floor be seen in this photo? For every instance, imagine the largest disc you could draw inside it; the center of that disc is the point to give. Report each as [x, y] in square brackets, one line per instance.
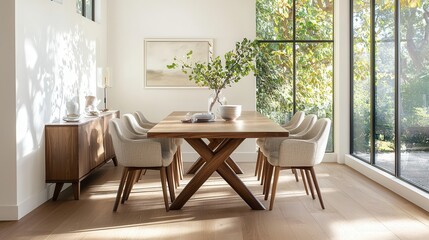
[356, 208]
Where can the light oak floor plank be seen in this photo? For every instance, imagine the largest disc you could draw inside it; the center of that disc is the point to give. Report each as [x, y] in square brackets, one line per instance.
[356, 208]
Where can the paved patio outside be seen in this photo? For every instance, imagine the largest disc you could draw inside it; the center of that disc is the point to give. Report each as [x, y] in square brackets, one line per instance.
[414, 166]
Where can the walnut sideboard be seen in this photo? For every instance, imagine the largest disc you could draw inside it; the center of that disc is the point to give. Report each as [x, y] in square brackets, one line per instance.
[74, 149]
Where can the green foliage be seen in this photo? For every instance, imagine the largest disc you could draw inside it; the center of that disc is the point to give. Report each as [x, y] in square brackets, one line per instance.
[274, 19]
[218, 74]
[314, 78]
[273, 82]
[384, 146]
[312, 65]
[413, 78]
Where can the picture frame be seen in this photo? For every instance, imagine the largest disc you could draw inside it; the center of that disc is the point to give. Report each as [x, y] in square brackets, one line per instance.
[158, 53]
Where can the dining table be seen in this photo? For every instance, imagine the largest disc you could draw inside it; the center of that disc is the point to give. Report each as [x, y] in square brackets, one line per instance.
[224, 137]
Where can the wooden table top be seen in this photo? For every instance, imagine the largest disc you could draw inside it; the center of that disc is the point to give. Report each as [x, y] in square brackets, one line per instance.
[250, 124]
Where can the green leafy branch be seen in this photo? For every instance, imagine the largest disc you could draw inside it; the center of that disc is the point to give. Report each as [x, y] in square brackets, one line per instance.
[217, 74]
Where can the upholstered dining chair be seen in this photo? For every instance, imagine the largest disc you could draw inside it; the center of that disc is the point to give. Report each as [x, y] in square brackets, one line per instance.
[177, 167]
[295, 133]
[133, 125]
[294, 122]
[178, 162]
[142, 120]
[303, 153]
[135, 153]
[306, 124]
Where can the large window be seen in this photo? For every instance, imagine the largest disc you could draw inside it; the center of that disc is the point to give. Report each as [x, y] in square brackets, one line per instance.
[295, 65]
[390, 69]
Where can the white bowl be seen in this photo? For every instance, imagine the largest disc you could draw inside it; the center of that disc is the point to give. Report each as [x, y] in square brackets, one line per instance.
[230, 112]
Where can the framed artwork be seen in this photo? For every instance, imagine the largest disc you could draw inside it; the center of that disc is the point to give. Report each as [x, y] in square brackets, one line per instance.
[161, 52]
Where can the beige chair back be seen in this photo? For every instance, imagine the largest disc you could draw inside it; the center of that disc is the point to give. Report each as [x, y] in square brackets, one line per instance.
[132, 124]
[134, 152]
[305, 125]
[142, 120]
[295, 121]
[306, 151]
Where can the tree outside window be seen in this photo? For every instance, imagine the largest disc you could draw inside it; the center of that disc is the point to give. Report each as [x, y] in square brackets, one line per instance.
[295, 64]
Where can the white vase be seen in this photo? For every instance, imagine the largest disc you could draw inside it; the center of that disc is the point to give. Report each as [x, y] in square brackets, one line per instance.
[214, 103]
[72, 108]
[91, 103]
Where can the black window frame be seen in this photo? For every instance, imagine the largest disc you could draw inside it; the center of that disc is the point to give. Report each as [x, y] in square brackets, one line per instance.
[397, 128]
[294, 41]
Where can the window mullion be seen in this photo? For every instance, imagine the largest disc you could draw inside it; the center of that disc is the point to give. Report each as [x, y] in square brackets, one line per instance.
[397, 92]
[372, 82]
[294, 55]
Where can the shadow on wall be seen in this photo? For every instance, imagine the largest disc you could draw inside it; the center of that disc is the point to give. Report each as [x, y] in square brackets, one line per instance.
[56, 66]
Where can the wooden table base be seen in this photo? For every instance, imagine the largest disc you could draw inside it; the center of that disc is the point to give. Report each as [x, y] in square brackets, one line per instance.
[214, 143]
[215, 160]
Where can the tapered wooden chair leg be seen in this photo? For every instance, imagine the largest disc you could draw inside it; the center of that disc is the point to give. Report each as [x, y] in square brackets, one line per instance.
[264, 169]
[121, 188]
[134, 181]
[267, 184]
[128, 185]
[258, 162]
[296, 174]
[307, 173]
[164, 187]
[140, 174]
[180, 162]
[316, 185]
[174, 170]
[304, 181]
[261, 167]
[274, 189]
[171, 184]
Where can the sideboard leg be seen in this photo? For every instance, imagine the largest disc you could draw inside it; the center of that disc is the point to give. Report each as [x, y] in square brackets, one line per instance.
[58, 187]
[115, 161]
[76, 190]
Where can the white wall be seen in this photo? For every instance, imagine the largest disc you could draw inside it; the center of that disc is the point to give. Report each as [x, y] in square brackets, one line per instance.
[8, 194]
[57, 52]
[225, 21]
[342, 80]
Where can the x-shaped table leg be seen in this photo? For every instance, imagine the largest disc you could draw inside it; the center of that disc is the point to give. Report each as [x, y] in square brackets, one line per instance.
[214, 143]
[215, 161]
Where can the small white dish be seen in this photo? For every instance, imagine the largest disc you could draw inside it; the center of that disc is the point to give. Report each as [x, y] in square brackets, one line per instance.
[71, 119]
[230, 112]
[93, 113]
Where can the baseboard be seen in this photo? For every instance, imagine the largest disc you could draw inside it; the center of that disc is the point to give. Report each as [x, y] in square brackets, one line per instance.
[16, 212]
[8, 212]
[403, 189]
[32, 203]
[38, 199]
[330, 158]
